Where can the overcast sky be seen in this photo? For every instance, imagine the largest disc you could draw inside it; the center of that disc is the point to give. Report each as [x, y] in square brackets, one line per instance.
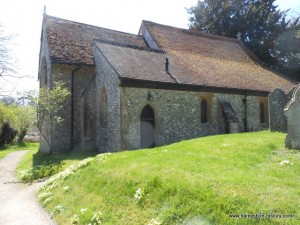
[24, 17]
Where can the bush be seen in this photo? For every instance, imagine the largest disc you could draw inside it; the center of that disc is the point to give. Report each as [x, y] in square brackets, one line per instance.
[22, 134]
[39, 172]
[7, 134]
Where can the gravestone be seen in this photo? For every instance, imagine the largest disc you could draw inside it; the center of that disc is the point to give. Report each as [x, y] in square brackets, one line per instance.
[231, 119]
[292, 112]
[277, 102]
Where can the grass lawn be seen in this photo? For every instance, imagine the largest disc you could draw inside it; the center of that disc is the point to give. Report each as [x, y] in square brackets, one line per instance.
[22, 146]
[36, 165]
[200, 181]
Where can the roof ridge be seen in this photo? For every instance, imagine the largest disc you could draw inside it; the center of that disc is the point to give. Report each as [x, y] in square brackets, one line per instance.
[194, 32]
[127, 45]
[92, 26]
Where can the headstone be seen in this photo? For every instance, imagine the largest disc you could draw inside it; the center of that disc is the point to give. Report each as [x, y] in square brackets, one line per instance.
[292, 112]
[277, 101]
[231, 119]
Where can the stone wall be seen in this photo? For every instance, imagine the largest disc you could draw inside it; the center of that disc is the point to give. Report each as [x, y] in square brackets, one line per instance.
[84, 127]
[84, 133]
[60, 138]
[44, 80]
[107, 105]
[177, 115]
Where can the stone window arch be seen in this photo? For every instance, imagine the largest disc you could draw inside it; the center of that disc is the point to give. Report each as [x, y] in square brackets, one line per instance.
[147, 127]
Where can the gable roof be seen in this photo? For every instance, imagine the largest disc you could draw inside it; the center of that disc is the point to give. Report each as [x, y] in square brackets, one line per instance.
[137, 63]
[195, 58]
[71, 42]
[214, 60]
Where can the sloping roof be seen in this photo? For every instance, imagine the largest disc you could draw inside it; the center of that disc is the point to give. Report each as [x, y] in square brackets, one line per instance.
[135, 63]
[71, 42]
[195, 58]
[213, 60]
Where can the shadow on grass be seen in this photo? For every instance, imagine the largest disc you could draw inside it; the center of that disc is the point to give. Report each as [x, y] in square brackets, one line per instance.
[45, 165]
[43, 159]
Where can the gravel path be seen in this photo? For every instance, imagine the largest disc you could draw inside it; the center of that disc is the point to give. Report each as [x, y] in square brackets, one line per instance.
[18, 202]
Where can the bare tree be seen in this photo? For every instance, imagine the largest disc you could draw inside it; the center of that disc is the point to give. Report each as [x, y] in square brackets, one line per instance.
[7, 68]
[8, 64]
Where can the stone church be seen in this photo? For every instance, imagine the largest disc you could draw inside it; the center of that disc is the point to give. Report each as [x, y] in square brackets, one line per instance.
[163, 85]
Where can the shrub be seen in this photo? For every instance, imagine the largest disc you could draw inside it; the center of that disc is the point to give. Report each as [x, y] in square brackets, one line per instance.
[39, 172]
[7, 134]
[22, 134]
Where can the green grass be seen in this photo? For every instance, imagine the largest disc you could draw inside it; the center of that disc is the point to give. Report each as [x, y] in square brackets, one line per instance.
[36, 165]
[200, 181]
[16, 147]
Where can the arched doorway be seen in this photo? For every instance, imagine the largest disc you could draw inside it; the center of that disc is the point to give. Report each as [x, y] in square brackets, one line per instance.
[147, 127]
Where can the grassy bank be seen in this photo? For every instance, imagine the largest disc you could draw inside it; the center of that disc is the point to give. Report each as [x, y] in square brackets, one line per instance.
[22, 146]
[36, 165]
[200, 181]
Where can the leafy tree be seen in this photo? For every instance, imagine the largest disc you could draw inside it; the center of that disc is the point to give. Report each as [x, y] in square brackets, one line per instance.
[14, 119]
[49, 103]
[287, 48]
[7, 134]
[259, 23]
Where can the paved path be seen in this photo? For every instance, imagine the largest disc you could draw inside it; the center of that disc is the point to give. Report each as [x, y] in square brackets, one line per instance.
[18, 202]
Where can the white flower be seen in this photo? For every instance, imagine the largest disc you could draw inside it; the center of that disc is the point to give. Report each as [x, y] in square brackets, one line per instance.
[83, 210]
[44, 195]
[285, 162]
[165, 150]
[155, 221]
[138, 195]
[47, 200]
[66, 188]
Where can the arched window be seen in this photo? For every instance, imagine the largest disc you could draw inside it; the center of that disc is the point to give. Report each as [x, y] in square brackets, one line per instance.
[204, 111]
[147, 127]
[262, 113]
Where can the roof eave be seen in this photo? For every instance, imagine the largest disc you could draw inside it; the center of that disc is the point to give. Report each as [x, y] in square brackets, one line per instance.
[138, 83]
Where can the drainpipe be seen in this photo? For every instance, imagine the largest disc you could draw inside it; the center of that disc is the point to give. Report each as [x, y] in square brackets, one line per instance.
[246, 112]
[72, 105]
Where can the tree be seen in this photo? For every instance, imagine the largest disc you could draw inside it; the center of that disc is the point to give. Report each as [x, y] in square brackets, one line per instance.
[287, 49]
[6, 65]
[49, 105]
[258, 22]
[14, 119]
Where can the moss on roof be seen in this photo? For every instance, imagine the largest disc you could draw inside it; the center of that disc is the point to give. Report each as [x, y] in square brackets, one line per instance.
[215, 60]
[71, 42]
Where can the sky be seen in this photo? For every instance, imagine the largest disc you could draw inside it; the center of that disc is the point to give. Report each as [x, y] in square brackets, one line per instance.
[23, 18]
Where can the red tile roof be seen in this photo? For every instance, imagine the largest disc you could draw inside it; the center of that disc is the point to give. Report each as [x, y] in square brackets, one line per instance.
[195, 58]
[137, 63]
[214, 60]
[71, 42]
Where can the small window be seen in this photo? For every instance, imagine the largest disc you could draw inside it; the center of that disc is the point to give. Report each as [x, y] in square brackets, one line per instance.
[204, 111]
[262, 113]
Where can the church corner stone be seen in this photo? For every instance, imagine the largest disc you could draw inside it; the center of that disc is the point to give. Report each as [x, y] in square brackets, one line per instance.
[292, 112]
